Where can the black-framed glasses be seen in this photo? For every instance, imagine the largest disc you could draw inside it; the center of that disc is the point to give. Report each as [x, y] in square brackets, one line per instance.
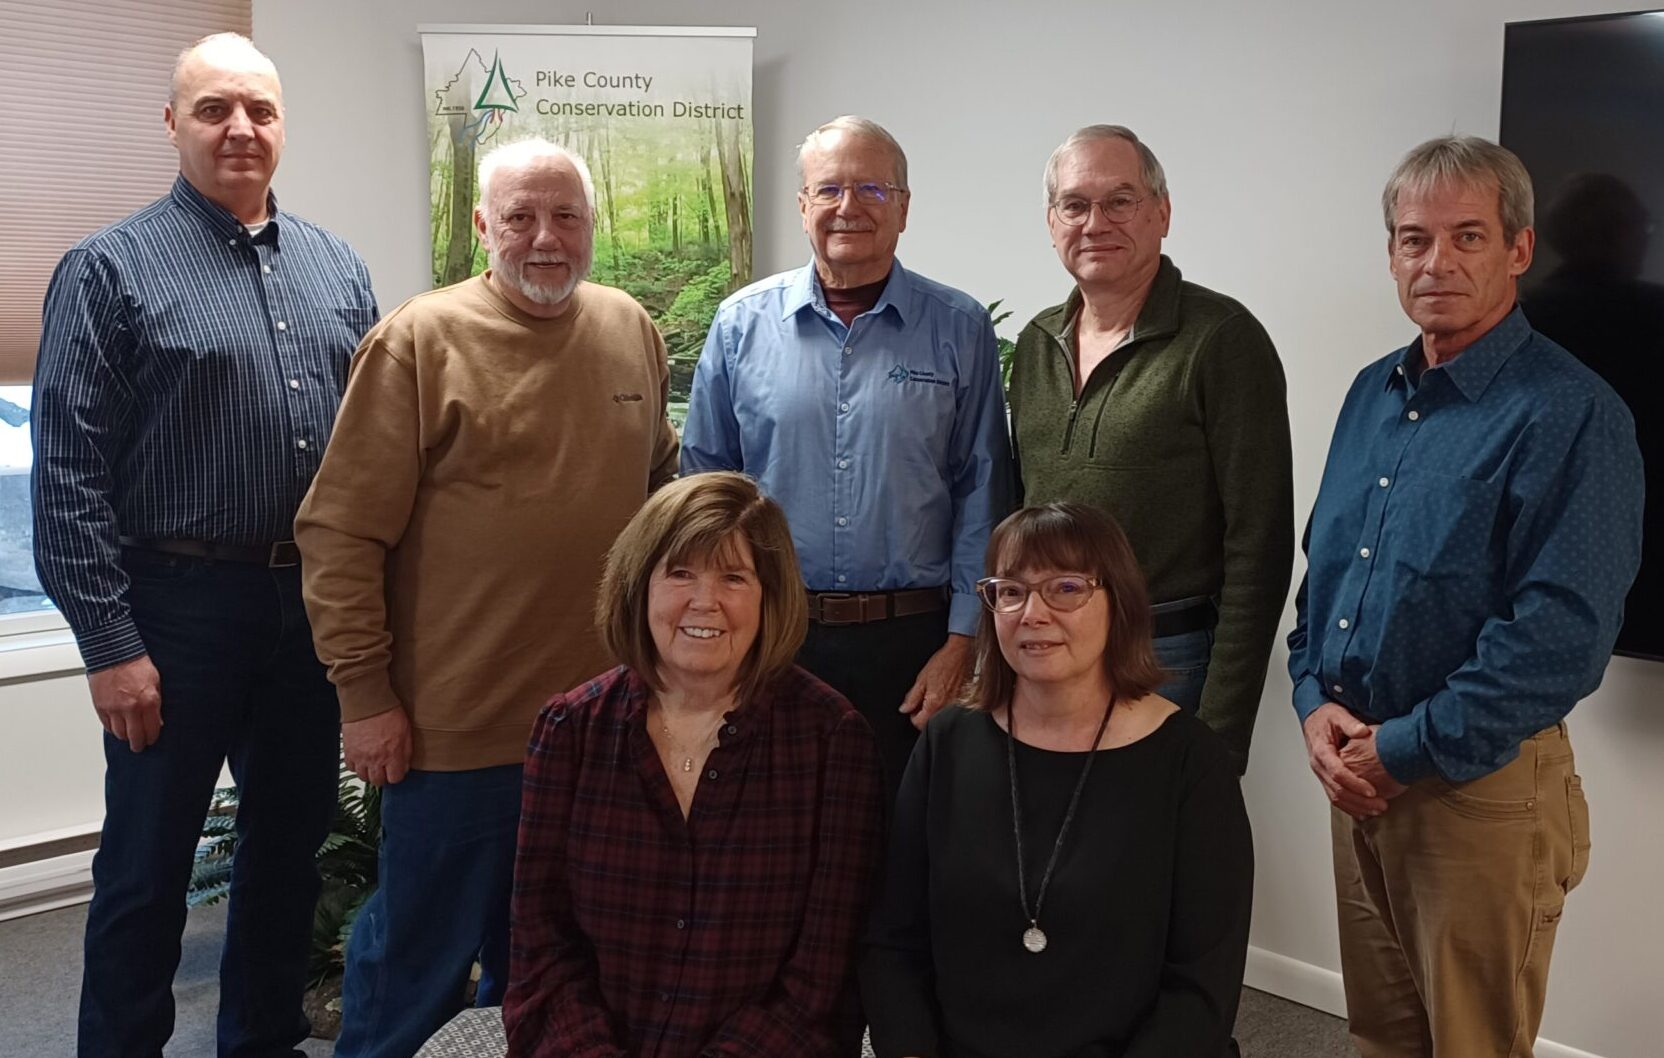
[868, 193]
[1005, 595]
[1118, 208]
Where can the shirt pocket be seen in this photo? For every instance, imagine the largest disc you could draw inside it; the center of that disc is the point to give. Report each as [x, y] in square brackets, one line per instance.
[1443, 528]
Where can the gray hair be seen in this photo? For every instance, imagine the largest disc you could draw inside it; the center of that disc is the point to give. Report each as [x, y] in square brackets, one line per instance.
[1464, 161]
[851, 125]
[224, 44]
[524, 152]
[1155, 177]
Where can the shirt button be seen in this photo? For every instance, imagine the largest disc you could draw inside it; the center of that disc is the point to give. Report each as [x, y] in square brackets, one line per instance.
[1336, 688]
[1344, 623]
[843, 464]
[282, 326]
[301, 443]
[842, 578]
[231, 242]
[681, 923]
[847, 350]
[732, 730]
[294, 383]
[842, 520]
[267, 269]
[1385, 482]
[711, 774]
[664, 997]
[1399, 369]
[1363, 552]
[1412, 415]
[844, 406]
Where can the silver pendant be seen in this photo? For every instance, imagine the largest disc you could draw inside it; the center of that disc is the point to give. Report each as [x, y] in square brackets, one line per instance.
[1034, 940]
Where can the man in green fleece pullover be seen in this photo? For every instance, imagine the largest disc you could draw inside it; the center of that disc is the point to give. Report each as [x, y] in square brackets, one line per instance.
[1162, 403]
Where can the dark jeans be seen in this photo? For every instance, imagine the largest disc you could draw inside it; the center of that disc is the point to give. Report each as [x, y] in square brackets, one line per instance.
[1185, 658]
[874, 666]
[239, 682]
[447, 873]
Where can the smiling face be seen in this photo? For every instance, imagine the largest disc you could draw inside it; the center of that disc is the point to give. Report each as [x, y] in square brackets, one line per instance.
[539, 232]
[1054, 648]
[854, 241]
[226, 120]
[1457, 274]
[1102, 254]
[704, 614]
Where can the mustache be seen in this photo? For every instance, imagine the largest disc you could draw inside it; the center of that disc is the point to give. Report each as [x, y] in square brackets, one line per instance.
[545, 258]
[849, 224]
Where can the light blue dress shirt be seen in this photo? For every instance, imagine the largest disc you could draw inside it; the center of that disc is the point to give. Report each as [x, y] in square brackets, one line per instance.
[1469, 551]
[884, 441]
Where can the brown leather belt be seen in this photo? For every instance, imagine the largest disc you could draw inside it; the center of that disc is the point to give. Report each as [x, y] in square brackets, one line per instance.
[856, 608]
[275, 555]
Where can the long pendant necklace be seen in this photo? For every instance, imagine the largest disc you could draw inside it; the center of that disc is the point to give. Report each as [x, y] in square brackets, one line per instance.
[1034, 938]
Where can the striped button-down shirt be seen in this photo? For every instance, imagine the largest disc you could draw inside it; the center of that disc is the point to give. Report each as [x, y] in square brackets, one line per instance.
[187, 379]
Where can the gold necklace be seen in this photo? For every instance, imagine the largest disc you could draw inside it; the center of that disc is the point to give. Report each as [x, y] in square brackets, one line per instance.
[681, 750]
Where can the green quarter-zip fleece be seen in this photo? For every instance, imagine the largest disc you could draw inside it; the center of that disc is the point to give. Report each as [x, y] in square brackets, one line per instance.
[1181, 434]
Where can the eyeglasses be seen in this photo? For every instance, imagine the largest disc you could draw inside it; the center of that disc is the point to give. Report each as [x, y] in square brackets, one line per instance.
[1118, 208]
[1004, 595]
[869, 194]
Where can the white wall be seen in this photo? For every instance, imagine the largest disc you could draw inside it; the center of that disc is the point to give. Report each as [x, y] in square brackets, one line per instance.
[1277, 123]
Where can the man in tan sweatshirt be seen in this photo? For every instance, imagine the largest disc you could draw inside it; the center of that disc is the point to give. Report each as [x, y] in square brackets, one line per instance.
[495, 437]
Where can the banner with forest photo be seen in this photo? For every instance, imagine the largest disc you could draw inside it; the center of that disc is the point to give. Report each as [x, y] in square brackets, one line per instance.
[663, 118]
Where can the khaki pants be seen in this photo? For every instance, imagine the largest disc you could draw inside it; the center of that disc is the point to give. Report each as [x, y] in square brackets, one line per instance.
[1449, 904]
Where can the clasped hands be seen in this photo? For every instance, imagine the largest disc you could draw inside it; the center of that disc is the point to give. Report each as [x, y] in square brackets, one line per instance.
[1341, 750]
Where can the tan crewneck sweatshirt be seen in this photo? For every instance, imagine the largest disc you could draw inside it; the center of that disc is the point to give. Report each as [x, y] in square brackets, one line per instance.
[482, 463]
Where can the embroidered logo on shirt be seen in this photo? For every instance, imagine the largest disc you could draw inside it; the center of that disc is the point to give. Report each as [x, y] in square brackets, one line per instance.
[625, 398]
[901, 373]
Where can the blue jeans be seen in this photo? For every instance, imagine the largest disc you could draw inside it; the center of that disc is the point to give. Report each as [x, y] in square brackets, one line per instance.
[1185, 658]
[447, 871]
[239, 682]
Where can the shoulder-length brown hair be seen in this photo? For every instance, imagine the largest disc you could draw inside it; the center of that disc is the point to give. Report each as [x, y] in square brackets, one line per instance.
[1069, 536]
[697, 517]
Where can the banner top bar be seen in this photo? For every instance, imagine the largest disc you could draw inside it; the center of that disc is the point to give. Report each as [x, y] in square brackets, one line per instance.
[597, 31]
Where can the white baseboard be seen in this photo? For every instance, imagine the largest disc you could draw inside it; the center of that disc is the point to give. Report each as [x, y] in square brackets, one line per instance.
[1321, 989]
[61, 881]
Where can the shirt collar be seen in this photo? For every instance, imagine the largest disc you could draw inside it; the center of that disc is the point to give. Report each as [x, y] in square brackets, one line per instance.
[805, 292]
[219, 219]
[739, 722]
[1158, 316]
[1474, 367]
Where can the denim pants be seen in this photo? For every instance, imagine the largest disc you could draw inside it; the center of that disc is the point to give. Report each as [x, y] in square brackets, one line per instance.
[239, 682]
[447, 872]
[1184, 657]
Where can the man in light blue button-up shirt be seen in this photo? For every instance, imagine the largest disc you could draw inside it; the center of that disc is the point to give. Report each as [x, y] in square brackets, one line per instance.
[866, 400]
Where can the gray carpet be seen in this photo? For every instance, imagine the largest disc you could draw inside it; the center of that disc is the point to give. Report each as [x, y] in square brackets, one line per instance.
[40, 980]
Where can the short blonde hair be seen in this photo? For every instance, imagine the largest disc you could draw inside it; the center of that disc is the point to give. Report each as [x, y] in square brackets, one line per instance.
[699, 517]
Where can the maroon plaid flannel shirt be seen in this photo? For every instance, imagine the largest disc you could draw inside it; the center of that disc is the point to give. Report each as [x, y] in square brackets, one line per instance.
[638, 933]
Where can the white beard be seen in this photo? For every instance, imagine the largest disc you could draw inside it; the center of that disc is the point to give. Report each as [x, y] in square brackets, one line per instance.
[539, 293]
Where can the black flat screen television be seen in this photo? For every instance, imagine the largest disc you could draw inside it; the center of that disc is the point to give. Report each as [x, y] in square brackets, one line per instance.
[1583, 107]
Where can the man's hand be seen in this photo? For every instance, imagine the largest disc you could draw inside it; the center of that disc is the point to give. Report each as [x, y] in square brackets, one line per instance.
[1364, 759]
[377, 748]
[128, 699]
[1327, 730]
[942, 677]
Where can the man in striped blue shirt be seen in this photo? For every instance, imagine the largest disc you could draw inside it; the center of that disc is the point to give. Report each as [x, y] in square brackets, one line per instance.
[191, 362]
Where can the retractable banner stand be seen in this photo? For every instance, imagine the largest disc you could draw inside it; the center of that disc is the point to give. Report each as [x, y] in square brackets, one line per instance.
[662, 115]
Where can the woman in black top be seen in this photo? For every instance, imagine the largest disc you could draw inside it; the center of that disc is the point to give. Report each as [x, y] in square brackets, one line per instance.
[1123, 932]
